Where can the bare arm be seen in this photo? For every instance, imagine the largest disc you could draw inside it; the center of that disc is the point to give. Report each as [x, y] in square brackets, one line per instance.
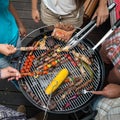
[34, 4]
[19, 22]
[35, 12]
[110, 91]
[101, 12]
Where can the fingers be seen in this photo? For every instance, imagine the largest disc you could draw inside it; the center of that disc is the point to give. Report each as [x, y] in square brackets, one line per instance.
[13, 76]
[11, 69]
[13, 73]
[36, 19]
[35, 15]
[23, 34]
[93, 17]
[98, 92]
[11, 49]
[100, 20]
[101, 15]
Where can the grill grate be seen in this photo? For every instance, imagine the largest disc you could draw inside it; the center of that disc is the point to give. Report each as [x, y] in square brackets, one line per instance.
[36, 86]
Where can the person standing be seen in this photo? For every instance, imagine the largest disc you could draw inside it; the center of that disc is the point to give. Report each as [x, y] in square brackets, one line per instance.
[11, 27]
[108, 102]
[69, 11]
[54, 11]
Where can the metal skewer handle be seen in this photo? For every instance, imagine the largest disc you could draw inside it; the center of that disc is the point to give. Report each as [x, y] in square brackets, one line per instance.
[116, 25]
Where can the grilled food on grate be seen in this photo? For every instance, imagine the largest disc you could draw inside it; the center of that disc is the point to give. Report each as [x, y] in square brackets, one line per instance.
[63, 31]
[84, 73]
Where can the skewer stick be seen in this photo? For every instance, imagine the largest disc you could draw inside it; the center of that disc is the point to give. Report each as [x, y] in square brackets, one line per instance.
[31, 48]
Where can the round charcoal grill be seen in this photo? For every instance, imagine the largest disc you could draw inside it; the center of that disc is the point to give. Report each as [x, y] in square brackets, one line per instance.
[34, 88]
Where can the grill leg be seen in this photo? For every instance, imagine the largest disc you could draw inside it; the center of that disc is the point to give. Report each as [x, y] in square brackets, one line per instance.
[86, 114]
[90, 116]
[76, 116]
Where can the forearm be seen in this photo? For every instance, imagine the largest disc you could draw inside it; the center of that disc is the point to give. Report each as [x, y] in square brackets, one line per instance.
[34, 4]
[102, 2]
[14, 12]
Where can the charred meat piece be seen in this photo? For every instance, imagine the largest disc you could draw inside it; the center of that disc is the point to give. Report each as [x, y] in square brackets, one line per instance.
[82, 57]
[50, 42]
[68, 56]
[83, 85]
[63, 31]
[64, 26]
[52, 105]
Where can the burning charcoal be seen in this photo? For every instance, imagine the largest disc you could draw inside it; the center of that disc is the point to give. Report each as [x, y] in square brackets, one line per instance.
[52, 105]
[50, 42]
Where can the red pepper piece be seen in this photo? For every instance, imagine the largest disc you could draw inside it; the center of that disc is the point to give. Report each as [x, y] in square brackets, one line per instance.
[66, 105]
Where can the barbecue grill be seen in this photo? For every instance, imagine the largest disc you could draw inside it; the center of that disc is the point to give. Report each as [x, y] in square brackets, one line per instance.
[33, 87]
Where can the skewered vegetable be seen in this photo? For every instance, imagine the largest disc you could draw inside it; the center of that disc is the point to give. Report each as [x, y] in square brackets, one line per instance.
[56, 82]
[82, 57]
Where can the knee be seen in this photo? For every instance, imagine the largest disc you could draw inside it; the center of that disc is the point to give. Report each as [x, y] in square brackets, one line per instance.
[108, 109]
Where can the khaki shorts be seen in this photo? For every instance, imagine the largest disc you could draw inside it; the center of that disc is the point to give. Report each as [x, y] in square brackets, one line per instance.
[50, 18]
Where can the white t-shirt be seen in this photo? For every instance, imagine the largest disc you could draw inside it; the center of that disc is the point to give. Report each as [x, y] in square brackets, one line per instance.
[61, 7]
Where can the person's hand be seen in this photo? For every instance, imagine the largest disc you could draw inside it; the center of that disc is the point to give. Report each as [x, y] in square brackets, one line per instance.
[101, 13]
[110, 91]
[7, 49]
[22, 30]
[35, 15]
[10, 73]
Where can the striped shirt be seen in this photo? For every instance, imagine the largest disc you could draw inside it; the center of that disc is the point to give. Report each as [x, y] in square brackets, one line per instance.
[109, 109]
[113, 47]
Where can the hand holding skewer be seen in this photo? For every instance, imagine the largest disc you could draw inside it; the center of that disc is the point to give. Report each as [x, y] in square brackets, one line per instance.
[6, 49]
